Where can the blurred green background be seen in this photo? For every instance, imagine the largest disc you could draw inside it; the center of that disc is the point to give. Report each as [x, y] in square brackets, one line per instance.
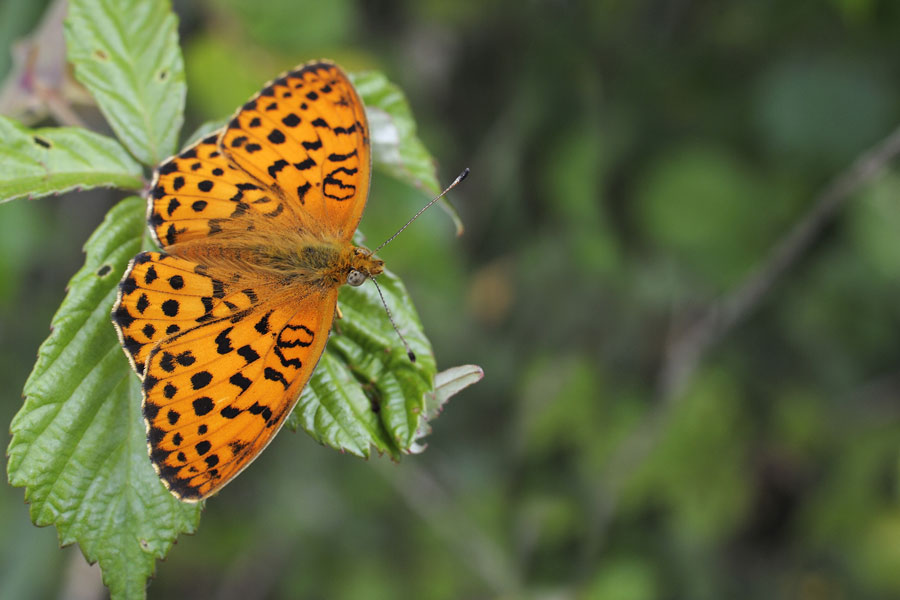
[631, 162]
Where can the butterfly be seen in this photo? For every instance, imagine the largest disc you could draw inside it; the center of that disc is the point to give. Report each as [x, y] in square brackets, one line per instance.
[225, 325]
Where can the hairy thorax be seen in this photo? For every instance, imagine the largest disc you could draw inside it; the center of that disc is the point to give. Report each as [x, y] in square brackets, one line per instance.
[292, 261]
[317, 263]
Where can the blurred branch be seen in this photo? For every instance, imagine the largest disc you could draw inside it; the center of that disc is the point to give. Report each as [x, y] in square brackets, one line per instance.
[685, 353]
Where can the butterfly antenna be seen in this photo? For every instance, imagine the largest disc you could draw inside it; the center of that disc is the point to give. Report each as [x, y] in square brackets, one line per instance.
[456, 181]
[409, 352]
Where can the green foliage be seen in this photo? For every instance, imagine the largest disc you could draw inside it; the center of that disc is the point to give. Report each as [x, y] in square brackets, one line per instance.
[395, 147]
[79, 442]
[695, 473]
[874, 225]
[325, 23]
[47, 161]
[127, 56]
[692, 181]
[221, 75]
[630, 166]
[623, 579]
[801, 99]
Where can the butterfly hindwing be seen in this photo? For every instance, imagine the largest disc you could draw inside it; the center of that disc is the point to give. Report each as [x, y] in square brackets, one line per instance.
[215, 396]
[305, 138]
[162, 295]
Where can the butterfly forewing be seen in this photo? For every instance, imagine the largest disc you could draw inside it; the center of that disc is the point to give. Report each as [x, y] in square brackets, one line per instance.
[199, 193]
[305, 136]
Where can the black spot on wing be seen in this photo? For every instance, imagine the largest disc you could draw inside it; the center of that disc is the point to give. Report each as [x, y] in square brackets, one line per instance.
[301, 192]
[230, 412]
[201, 379]
[276, 166]
[240, 381]
[202, 406]
[170, 307]
[345, 130]
[248, 354]
[292, 362]
[257, 409]
[275, 375]
[223, 342]
[262, 326]
[335, 157]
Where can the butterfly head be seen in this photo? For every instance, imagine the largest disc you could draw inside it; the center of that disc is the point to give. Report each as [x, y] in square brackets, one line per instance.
[363, 265]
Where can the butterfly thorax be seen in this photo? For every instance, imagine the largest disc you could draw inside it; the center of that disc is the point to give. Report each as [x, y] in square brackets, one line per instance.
[321, 264]
[288, 261]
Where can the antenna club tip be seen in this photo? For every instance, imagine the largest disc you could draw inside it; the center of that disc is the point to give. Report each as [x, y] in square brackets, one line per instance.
[463, 175]
[412, 356]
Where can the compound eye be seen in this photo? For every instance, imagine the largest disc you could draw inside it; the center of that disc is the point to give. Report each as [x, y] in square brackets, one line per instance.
[356, 278]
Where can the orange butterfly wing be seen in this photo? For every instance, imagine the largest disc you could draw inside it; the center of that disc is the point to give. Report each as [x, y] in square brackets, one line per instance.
[225, 352]
[198, 193]
[215, 396]
[161, 296]
[305, 136]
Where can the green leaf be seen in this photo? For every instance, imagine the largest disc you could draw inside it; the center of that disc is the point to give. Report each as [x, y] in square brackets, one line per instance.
[126, 54]
[38, 162]
[366, 391]
[335, 411]
[392, 130]
[447, 384]
[79, 442]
